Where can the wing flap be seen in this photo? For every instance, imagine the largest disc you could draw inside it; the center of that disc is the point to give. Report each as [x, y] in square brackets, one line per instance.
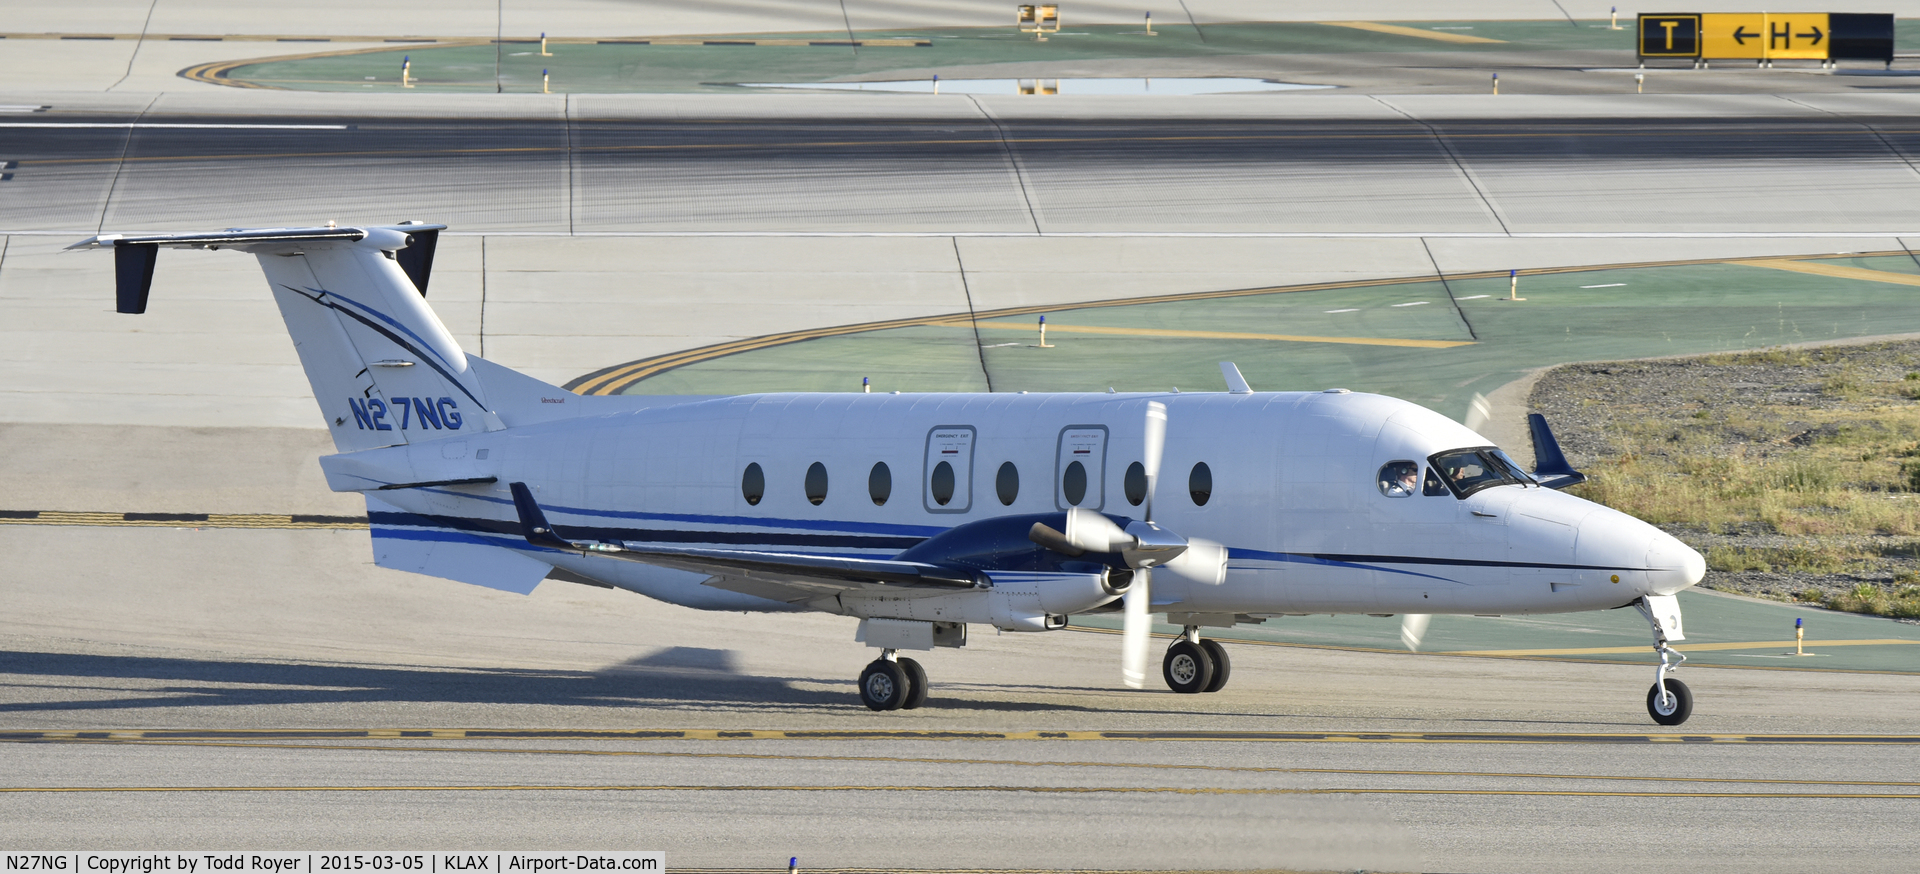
[810, 575]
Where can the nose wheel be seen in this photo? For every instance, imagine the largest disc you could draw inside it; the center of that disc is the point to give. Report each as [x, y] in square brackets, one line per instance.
[1670, 702]
[1193, 665]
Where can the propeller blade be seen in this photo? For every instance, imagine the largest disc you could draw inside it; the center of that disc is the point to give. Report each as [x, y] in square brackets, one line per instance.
[1090, 531]
[1155, 446]
[1133, 637]
[1413, 627]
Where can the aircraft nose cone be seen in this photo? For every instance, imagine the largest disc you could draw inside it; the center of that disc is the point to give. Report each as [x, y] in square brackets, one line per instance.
[1673, 565]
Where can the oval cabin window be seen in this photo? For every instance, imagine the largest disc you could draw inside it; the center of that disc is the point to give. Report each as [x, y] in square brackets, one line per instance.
[816, 483]
[1136, 483]
[753, 484]
[1200, 484]
[1073, 484]
[941, 483]
[880, 484]
[1007, 483]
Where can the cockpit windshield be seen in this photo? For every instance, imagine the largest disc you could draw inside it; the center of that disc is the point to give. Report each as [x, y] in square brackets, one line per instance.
[1470, 470]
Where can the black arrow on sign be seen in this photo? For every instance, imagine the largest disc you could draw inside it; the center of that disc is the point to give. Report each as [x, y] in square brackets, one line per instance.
[1740, 35]
[1815, 35]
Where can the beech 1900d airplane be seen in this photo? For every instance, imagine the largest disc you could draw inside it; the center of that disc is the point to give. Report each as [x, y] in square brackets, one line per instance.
[923, 514]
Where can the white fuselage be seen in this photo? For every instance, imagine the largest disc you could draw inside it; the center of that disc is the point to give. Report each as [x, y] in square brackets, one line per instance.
[1294, 495]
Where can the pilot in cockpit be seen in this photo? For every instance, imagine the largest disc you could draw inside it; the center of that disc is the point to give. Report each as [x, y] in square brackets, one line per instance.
[1400, 479]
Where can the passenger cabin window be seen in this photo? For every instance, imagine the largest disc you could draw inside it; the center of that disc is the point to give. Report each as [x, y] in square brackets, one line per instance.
[1073, 484]
[1200, 484]
[1399, 479]
[1469, 470]
[1006, 483]
[1135, 483]
[880, 484]
[941, 483]
[753, 484]
[816, 483]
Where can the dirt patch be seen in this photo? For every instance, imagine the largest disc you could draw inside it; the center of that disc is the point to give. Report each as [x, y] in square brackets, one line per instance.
[1796, 471]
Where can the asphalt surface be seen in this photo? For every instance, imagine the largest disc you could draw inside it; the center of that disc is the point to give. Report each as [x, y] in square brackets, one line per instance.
[972, 170]
[175, 688]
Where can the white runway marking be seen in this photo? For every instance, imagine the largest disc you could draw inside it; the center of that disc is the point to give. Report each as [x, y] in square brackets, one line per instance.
[1476, 296]
[142, 125]
[1608, 285]
[1354, 310]
[1416, 303]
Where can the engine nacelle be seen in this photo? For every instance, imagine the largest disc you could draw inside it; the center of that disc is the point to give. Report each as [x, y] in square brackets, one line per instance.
[1016, 601]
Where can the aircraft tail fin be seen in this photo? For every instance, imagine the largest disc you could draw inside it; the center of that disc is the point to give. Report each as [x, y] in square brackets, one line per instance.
[383, 368]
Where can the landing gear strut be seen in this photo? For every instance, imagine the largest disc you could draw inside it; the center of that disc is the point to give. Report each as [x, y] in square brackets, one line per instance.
[893, 683]
[1669, 701]
[1194, 665]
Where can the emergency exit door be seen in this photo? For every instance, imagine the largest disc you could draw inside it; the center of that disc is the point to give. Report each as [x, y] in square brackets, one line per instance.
[1080, 467]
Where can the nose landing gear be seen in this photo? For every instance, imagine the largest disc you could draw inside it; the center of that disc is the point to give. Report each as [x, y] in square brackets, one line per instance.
[1669, 702]
[1193, 665]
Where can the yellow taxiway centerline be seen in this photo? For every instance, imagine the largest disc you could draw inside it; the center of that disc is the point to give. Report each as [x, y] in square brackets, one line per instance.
[1229, 335]
[937, 760]
[866, 735]
[1689, 647]
[1837, 271]
[1401, 30]
[1038, 790]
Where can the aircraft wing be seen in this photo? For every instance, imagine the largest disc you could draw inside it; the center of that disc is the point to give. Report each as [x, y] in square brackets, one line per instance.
[817, 573]
[796, 576]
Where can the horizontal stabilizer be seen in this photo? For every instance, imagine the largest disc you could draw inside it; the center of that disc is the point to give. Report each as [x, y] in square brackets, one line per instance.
[134, 256]
[452, 555]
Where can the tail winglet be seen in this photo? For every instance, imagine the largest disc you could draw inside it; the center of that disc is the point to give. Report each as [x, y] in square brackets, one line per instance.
[1550, 467]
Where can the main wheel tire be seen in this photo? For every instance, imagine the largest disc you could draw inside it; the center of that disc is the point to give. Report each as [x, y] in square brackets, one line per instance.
[1222, 666]
[883, 686]
[916, 684]
[1187, 668]
[1674, 710]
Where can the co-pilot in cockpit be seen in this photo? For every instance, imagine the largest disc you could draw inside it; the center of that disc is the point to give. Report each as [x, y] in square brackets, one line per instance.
[1465, 470]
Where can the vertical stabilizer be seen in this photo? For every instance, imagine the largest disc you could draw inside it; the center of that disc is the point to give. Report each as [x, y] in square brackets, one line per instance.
[384, 370]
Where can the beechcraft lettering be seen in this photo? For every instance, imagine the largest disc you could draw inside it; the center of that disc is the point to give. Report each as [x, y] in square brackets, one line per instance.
[372, 414]
[918, 515]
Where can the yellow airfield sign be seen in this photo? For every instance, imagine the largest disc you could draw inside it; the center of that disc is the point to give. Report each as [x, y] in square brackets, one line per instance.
[1767, 36]
[1734, 35]
[1796, 35]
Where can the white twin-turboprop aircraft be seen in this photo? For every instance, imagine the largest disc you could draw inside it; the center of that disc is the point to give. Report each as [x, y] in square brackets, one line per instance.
[922, 514]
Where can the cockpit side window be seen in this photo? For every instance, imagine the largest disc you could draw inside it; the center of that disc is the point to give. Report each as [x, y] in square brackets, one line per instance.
[1469, 470]
[1399, 479]
[1508, 466]
[1433, 485]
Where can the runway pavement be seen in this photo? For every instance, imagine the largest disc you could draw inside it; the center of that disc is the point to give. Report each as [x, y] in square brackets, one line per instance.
[202, 688]
[960, 165]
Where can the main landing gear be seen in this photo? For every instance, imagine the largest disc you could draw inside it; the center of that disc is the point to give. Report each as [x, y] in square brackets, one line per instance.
[893, 683]
[1193, 665]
